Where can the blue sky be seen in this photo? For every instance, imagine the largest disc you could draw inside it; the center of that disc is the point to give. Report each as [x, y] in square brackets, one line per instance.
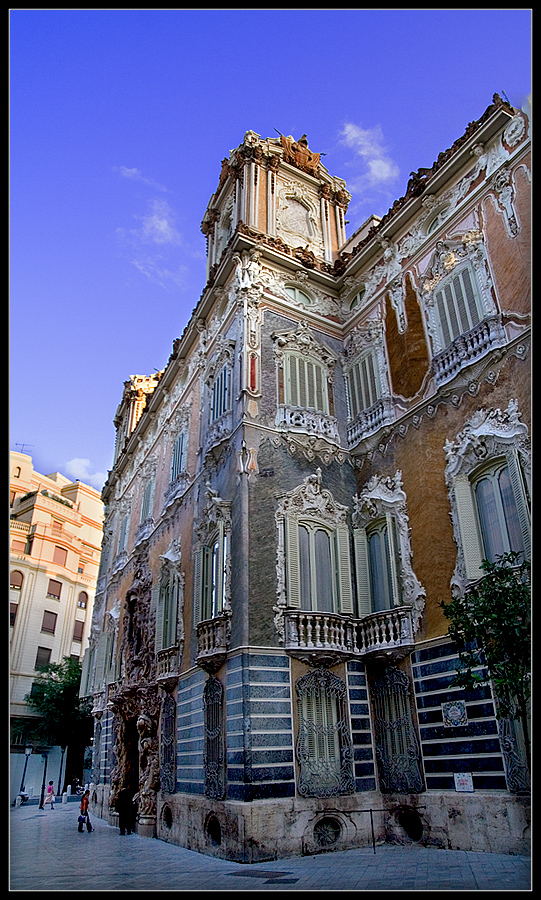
[119, 122]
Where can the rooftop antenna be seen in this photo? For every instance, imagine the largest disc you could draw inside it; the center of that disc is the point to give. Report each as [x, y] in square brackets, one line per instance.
[22, 446]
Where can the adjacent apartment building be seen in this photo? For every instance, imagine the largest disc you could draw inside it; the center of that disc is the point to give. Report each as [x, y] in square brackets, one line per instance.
[55, 544]
[339, 438]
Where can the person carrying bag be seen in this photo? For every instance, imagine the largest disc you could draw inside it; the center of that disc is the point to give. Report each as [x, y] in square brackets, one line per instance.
[84, 817]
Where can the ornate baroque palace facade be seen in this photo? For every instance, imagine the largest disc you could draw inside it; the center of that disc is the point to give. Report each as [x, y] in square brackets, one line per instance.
[339, 438]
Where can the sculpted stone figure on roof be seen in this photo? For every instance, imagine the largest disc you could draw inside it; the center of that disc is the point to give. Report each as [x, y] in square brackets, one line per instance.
[298, 154]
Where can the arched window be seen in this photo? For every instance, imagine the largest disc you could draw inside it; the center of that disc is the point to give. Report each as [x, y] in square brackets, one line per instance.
[298, 296]
[16, 580]
[82, 600]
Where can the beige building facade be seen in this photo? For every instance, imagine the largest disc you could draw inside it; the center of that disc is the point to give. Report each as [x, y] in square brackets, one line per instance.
[55, 545]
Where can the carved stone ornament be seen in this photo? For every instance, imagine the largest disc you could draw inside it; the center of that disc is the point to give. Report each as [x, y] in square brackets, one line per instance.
[301, 340]
[384, 495]
[308, 500]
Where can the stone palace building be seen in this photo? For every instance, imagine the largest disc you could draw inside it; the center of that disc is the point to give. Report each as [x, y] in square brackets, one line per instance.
[339, 438]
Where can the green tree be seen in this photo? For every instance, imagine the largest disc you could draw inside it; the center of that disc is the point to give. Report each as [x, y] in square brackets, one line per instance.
[64, 720]
[491, 625]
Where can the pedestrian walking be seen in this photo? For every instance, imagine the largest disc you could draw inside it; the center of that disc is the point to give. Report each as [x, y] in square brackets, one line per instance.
[126, 811]
[84, 818]
[49, 797]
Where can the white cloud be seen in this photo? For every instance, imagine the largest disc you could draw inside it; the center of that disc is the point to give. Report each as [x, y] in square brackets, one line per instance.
[378, 169]
[79, 470]
[137, 175]
[158, 225]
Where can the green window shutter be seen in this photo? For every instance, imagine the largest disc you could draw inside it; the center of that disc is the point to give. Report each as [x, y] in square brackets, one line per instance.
[156, 602]
[394, 559]
[469, 532]
[101, 659]
[84, 684]
[293, 563]
[362, 571]
[519, 493]
[344, 570]
[197, 583]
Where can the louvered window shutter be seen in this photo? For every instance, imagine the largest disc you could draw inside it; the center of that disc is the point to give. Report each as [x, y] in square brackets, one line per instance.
[362, 571]
[344, 570]
[293, 563]
[469, 532]
[519, 493]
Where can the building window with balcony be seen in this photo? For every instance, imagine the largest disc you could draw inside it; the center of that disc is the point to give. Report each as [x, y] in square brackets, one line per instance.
[488, 478]
[462, 317]
[367, 382]
[212, 581]
[314, 568]
[169, 600]
[323, 750]
[383, 557]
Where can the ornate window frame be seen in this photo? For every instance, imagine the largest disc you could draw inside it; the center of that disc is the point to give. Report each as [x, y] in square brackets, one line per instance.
[170, 600]
[315, 430]
[488, 435]
[450, 259]
[383, 498]
[212, 563]
[367, 341]
[214, 755]
[311, 504]
[324, 750]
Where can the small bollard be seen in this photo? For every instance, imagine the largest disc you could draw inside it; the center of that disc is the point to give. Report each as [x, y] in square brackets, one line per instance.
[18, 800]
[65, 797]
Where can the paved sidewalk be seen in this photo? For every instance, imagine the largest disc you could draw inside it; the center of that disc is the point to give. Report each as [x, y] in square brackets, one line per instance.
[49, 854]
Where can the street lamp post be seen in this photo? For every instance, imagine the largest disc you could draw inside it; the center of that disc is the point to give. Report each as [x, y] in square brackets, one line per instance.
[44, 756]
[27, 753]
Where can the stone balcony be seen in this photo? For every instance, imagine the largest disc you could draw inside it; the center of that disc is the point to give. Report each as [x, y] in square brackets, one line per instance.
[323, 639]
[213, 639]
[168, 665]
[468, 348]
[370, 420]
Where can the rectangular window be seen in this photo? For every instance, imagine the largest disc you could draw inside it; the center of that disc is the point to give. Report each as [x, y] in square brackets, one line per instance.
[363, 386]
[12, 613]
[220, 400]
[60, 556]
[49, 622]
[78, 631]
[306, 384]
[178, 457]
[43, 656]
[54, 589]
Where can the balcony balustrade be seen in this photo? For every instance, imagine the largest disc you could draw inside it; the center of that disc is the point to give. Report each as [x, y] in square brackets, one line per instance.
[370, 420]
[213, 639]
[326, 638]
[468, 348]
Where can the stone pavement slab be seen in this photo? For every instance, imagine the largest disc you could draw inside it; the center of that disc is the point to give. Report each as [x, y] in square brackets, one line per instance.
[49, 854]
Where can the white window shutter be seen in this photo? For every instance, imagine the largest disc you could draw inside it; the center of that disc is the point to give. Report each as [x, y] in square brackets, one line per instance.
[517, 482]
[362, 571]
[197, 583]
[469, 532]
[293, 563]
[344, 570]
[157, 604]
